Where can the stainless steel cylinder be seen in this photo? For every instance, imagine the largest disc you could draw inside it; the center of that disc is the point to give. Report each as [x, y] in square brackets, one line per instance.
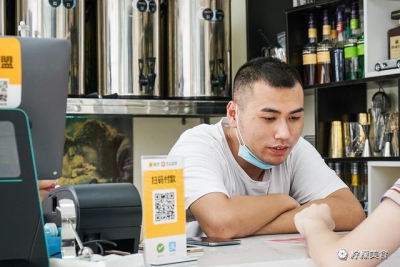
[199, 49]
[57, 19]
[129, 48]
[2, 17]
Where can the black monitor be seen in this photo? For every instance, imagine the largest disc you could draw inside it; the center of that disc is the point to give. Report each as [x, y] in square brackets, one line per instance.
[37, 82]
[33, 95]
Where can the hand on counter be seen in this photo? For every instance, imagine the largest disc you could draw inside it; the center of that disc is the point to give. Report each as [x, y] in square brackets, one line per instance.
[314, 214]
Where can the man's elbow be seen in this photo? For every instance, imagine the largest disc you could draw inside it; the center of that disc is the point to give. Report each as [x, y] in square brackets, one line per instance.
[350, 219]
[222, 228]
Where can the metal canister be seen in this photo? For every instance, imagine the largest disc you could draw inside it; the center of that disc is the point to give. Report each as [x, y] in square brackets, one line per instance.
[2, 17]
[336, 141]
[129, 48]
[7, 9]
[199, 49]
[57, 19]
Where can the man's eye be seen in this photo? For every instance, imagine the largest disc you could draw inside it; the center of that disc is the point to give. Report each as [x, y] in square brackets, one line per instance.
[269, 118]
[294, 118]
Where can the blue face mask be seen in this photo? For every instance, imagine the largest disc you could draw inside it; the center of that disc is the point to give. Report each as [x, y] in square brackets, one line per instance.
[246, 154]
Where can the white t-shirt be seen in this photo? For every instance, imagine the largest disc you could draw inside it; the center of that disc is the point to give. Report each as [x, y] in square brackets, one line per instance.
[209, 166]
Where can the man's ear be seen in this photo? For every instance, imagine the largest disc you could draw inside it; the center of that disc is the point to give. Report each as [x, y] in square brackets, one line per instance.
[231, 114]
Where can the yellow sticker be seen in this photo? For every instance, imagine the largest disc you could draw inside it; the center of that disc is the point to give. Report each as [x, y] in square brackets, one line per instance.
[164, 217]
[164, 201]
[10, 72]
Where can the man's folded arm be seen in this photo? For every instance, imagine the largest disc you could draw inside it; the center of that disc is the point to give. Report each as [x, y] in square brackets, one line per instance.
[346, 212]
[239, 216]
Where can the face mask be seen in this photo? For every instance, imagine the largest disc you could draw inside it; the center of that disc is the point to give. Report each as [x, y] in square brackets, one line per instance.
[246, 154]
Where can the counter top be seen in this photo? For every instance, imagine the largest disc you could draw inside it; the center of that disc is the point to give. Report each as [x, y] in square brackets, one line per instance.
[268, 250]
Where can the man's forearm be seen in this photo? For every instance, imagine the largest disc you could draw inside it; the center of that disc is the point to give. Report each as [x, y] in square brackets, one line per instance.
[346, 213]
[239, 216]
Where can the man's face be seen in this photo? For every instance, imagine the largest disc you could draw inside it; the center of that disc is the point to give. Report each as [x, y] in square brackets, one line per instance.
[272, 121]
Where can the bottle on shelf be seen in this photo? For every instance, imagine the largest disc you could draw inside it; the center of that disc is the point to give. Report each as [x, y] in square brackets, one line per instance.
[347, 30]
[394, 37]
[334, 33]
[337, 52]
[338, 170]
[310, 53]
[360, 56]
[324, 68]
[365, 187]
[356, 181]
[350, 46]
[360, 47]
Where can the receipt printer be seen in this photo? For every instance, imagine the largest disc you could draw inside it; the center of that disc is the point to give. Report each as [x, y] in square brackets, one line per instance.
[108, 216]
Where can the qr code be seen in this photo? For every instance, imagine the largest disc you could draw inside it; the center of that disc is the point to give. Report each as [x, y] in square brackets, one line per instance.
[164, 209]
[3, 91]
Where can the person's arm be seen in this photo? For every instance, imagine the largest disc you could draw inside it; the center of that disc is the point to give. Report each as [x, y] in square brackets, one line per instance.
[376, 235]
[45, 186]
[238, 216]
[346, 210]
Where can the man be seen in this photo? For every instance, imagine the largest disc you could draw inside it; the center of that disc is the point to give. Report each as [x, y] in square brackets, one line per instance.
[251, 173]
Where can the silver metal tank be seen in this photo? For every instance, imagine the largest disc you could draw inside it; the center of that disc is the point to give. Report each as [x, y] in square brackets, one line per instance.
[129, 48]
[199, 49]
[57, 19]
[2, 17]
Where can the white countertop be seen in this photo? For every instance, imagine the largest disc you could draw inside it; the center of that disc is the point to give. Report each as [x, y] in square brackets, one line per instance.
[261, 251]
[267, 250]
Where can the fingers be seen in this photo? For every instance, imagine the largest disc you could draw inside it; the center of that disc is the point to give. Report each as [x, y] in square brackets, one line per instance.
[315, 213]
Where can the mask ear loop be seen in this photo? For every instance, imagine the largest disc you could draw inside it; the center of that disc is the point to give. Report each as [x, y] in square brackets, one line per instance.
[238, 133]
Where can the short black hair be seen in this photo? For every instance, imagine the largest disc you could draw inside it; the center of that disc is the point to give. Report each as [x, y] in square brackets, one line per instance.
[271, 71]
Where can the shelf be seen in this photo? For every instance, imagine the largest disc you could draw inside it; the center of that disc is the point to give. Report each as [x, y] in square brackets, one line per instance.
[381, 76]
[305, 9]
[140, 107]
[363, 159]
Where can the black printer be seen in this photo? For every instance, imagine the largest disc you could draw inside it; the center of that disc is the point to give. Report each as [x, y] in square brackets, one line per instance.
[108, 216]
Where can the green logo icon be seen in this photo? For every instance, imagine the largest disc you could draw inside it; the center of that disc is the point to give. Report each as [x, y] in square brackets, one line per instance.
[160, 248]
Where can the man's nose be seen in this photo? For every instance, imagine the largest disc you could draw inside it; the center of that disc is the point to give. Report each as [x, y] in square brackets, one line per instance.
[282, 130]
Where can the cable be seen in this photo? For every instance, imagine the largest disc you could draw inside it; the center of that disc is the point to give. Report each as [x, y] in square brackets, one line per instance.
[98, 244]
[100, 241]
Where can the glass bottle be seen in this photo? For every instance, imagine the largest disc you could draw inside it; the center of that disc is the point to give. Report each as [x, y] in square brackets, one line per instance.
[338, 170]
[355, 181]
[337, 52]
[360, 56]
[334, 33]
[394, 37]
[350, 46]
[324, 69]
[310, 54]
[365, 187]
[347, 30]
[360, 47]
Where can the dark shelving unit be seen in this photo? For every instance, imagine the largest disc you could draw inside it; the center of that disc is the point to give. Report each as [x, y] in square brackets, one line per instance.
[337, 100]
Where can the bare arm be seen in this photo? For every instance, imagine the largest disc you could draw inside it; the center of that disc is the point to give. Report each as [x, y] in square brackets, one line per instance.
[45, 186]
[379, 232]
[239, 216]
[346, 211]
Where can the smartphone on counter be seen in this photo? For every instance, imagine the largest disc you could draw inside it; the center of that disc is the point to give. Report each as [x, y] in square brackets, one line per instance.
[212, 241]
